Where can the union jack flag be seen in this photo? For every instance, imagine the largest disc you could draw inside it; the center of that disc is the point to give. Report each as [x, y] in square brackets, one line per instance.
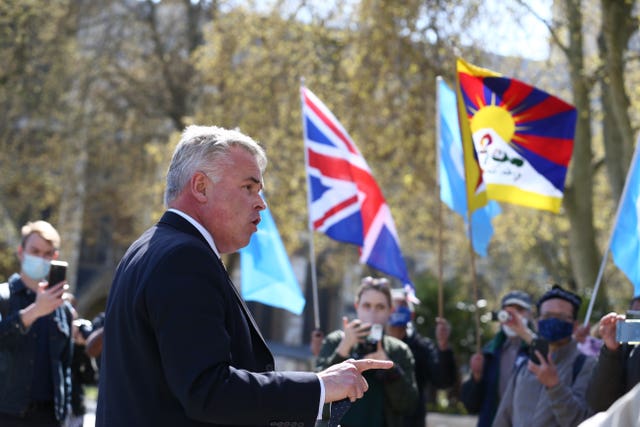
[345, 202]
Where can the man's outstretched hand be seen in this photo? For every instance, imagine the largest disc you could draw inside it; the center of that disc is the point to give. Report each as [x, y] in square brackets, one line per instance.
[345, 379]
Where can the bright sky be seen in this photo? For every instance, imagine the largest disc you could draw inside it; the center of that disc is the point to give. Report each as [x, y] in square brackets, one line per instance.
[527, 37]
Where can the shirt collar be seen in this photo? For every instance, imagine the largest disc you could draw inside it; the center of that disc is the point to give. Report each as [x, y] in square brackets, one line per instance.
[207, 236]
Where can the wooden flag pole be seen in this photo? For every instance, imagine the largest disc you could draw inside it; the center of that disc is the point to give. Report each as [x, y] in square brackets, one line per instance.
[312, 254]
[314, 283]
[474, 279]
[440, 244]
[474, 282]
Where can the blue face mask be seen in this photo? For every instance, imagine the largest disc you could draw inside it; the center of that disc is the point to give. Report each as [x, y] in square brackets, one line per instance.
[35, 267]
[554, 329]
[400, 317]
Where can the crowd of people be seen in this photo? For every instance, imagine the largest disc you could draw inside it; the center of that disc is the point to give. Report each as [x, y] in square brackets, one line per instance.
[177, 346]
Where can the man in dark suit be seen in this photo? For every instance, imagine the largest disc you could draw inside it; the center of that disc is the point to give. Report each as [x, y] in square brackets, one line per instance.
[180, 346]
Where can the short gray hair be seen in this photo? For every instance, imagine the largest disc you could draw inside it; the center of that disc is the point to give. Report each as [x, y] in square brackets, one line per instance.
[205, 148]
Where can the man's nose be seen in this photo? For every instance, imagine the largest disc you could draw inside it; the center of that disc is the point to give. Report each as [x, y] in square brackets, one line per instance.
[262, 204]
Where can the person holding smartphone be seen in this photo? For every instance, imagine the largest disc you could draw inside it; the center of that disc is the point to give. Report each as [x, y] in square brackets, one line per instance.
[618, 367]
[491, 368]
[550, 391]
[35, 336]
[392, 394]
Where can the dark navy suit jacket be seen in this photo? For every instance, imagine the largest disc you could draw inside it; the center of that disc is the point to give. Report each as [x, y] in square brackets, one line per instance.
[182, 349]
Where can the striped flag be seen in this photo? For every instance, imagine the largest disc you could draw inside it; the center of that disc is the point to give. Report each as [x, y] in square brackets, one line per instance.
[518, 139]
[452, 175]
[345, 202]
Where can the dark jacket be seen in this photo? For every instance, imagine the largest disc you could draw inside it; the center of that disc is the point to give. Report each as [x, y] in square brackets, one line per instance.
[82, 373]
[18, 346]
[181, 348]
[482, 397]
[392, 393]
[615, 373]
[433, 367]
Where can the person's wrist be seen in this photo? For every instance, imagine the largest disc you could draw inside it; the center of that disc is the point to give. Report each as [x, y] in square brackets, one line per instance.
[612, 346]
[343, 350]
[529, 336]
[28, 315]
[552, 384]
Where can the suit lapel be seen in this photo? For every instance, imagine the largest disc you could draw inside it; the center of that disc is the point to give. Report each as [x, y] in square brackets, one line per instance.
[176, 221]
[245, 309]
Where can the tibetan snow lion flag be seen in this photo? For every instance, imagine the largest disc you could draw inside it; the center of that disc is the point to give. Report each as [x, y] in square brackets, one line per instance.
[522, 139]
[345, 202]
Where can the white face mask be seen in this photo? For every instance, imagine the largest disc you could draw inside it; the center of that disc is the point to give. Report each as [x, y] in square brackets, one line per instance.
[35, 267]
[510, 332]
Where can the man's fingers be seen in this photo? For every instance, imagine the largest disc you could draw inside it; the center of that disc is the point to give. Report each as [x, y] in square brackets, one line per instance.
[358, 391]
[366, 364]
[541, 358]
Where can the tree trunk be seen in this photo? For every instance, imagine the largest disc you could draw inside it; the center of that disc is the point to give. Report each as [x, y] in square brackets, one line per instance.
[617, 28]
[585, 258]
[72, 200]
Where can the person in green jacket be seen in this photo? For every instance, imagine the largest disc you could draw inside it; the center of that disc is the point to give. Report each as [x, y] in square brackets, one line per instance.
[392, 394]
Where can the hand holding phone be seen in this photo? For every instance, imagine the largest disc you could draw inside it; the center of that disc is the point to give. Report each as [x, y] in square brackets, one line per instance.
[370, 343]
[58, 272]
[542, 346]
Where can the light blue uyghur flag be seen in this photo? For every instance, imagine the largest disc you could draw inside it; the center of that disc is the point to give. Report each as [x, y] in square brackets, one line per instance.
[266, 272]
[452, 181]
[625, 240]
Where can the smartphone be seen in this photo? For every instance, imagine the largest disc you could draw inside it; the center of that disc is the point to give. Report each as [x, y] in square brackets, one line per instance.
[542, 346]
[375, 334]
[58, 272]
[628, 330]
[370, 343]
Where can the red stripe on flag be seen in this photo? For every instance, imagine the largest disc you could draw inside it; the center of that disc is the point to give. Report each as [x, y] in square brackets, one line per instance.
[342, 205]
[309, 103]
[556, 150]
[332, 167]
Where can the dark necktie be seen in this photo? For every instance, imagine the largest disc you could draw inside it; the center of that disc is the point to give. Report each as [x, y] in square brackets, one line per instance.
[338, 409]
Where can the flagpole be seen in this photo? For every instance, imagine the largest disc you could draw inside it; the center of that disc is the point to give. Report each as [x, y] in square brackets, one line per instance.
[314, 282]
[312, 253]
[596, 287]
[474, 279]
[440, 256]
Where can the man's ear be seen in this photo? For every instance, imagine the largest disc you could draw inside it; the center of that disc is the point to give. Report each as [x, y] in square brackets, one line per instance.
[198, 186]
